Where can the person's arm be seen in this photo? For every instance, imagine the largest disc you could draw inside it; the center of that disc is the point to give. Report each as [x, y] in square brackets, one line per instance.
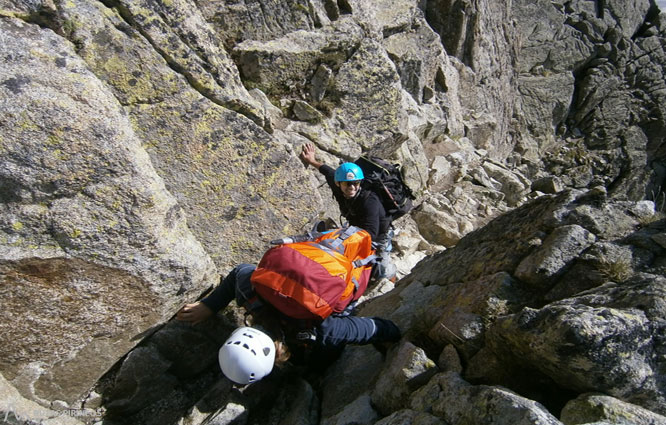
[308, 156]
[215, 301]
[335, 331]
[221, 295]
[194, 313]
[329, 174]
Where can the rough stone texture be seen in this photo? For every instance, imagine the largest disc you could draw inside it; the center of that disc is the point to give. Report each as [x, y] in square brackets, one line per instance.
[595, 44]
[95, 251]
[360, 411]
[223, 169]
[179, 33]
[468, 308]
[268, 20]
[584, 348]
[409, 417]
[206, 152]
[407, 368]
[16, 409]
[449, 361]
[448, 396]
[557, 250]
[591, 408]
[475, 33]
[370, 78]
[420, 72]
[607, 338]
[487, 250]
[513, 185]
[286, 65]
[438, 226]
[340, 386]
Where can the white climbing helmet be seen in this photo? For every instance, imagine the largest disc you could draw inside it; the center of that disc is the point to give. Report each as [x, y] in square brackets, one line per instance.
[247, 355]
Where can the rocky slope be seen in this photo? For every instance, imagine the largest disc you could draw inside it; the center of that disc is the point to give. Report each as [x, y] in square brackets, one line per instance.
[148, 146]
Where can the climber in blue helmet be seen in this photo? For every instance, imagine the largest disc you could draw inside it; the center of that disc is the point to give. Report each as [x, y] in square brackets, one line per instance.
[348, 178]
[361, 208]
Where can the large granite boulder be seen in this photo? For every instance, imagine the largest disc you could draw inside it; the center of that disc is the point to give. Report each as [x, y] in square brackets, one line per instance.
[95, 251]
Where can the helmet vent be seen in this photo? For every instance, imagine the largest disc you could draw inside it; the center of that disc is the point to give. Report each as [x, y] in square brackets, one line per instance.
[247, 347]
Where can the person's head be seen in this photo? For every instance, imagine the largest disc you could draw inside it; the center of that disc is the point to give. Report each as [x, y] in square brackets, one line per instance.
[348, 177]
[247, 355]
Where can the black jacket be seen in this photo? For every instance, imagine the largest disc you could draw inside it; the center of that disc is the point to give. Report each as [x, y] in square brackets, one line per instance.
[365, 210]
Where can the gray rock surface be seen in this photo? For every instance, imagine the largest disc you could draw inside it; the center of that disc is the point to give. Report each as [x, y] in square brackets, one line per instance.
[95, 250]
[408, 367]
[457, 402]
[593, 408]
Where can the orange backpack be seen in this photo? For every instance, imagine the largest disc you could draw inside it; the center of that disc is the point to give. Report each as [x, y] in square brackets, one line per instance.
[317, 274]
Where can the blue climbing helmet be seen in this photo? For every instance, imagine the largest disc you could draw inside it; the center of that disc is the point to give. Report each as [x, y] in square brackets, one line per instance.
[348, 172]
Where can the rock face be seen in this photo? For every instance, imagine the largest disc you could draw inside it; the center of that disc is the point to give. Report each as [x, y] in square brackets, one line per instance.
[545, 338]
[95, 250]
[148, 146]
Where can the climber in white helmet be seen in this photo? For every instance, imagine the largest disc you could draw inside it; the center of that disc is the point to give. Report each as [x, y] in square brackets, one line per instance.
[250, 353]
[247, 355]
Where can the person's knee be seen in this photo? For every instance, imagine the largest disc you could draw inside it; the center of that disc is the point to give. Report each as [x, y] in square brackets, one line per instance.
[385, 267]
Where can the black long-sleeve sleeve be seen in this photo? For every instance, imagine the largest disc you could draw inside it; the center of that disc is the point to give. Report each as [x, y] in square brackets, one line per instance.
[336, 331]
[329, 174]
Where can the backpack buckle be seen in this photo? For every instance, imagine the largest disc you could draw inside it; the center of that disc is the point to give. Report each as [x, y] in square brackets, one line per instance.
[306, 335]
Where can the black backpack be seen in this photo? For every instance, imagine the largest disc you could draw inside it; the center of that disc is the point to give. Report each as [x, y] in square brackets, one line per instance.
[385, 179]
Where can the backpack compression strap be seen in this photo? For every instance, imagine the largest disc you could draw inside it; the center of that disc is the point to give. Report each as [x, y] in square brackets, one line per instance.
[337, 243]
[364, 261]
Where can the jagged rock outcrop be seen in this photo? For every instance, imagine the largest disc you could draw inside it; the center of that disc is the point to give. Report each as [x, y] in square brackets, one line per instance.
[147, 147]
[579, 62]
[516, 346]
[195, 119]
